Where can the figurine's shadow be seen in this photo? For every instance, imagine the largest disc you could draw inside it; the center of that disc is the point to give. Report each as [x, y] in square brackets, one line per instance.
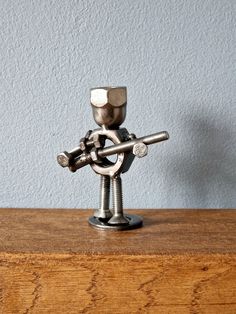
[206, 166]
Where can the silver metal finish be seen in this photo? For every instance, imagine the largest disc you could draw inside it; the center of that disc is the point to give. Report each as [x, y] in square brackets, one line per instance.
[104, 211]
[118, 217]
[135, 222]
[140, 150]
[109, 105]
[126, 146]
[105, 167]
[66, 158]
[109, 111]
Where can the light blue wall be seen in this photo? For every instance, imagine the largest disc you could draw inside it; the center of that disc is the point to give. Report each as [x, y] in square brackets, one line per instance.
[177, 59]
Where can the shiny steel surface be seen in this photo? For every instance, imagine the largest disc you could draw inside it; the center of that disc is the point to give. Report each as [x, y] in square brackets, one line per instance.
[127, 146]
[118, 218]
[122, 147]
[135, 222]
[109, 105]
[140, 150]
[105, 167]
[104, 211]
[65, 159]
[109, 111]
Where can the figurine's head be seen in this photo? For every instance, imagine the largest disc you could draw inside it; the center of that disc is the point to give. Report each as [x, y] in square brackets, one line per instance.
[109, 105]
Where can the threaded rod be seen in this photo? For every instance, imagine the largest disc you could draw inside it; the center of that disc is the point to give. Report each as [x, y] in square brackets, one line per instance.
[118, 216]
[104, 193]
[117, 196]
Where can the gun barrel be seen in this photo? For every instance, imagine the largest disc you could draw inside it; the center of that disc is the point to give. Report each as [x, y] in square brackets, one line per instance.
[119, 148]
[127, 146]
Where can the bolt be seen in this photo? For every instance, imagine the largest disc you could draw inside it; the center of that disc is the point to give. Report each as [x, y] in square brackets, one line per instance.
[65, 159]
[104, 211]
[118, 217]
[109, 105]
[140, 150]
[81, 161]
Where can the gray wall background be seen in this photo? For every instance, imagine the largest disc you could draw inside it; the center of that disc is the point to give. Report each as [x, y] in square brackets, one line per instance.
[177, 59]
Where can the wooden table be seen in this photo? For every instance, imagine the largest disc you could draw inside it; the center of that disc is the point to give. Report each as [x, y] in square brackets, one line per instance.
[181, 261]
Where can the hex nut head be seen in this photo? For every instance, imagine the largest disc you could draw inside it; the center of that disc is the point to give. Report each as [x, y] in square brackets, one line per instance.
[64, 159]
[82, 144]
[94, 155]
[115, 96]
[96, 141]
[109, 105]
[140, 150]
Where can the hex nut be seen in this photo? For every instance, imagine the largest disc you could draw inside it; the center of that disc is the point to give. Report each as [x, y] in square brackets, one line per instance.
[115, 96]
[109, 105]
[94, 155]
[82, 143]
[96, 141]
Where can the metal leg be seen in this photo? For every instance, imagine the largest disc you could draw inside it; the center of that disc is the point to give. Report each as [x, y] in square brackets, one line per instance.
[104, 211]
[103, 218]
[118, 217]
[118, 221]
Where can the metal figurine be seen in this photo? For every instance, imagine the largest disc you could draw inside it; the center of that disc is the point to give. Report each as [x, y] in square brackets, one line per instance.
[109, 111]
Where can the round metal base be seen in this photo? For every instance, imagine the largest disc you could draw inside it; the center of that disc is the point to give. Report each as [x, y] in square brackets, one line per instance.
[134, 222]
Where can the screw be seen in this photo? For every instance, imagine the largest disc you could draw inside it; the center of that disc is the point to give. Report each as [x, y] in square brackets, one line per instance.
[64, 159]
[104, 211]
[118, 217]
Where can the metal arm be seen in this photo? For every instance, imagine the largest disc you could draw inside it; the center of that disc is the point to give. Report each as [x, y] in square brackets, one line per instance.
[86, 159]
[127, 146]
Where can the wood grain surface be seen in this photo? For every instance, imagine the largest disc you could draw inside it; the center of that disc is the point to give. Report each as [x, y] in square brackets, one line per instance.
[181, 261]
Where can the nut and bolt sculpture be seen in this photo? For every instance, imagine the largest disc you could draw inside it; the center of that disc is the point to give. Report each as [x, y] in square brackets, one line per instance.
[109, 111]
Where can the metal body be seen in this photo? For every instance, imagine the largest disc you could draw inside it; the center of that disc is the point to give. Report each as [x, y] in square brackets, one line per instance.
[101, 164]
[109, 111]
